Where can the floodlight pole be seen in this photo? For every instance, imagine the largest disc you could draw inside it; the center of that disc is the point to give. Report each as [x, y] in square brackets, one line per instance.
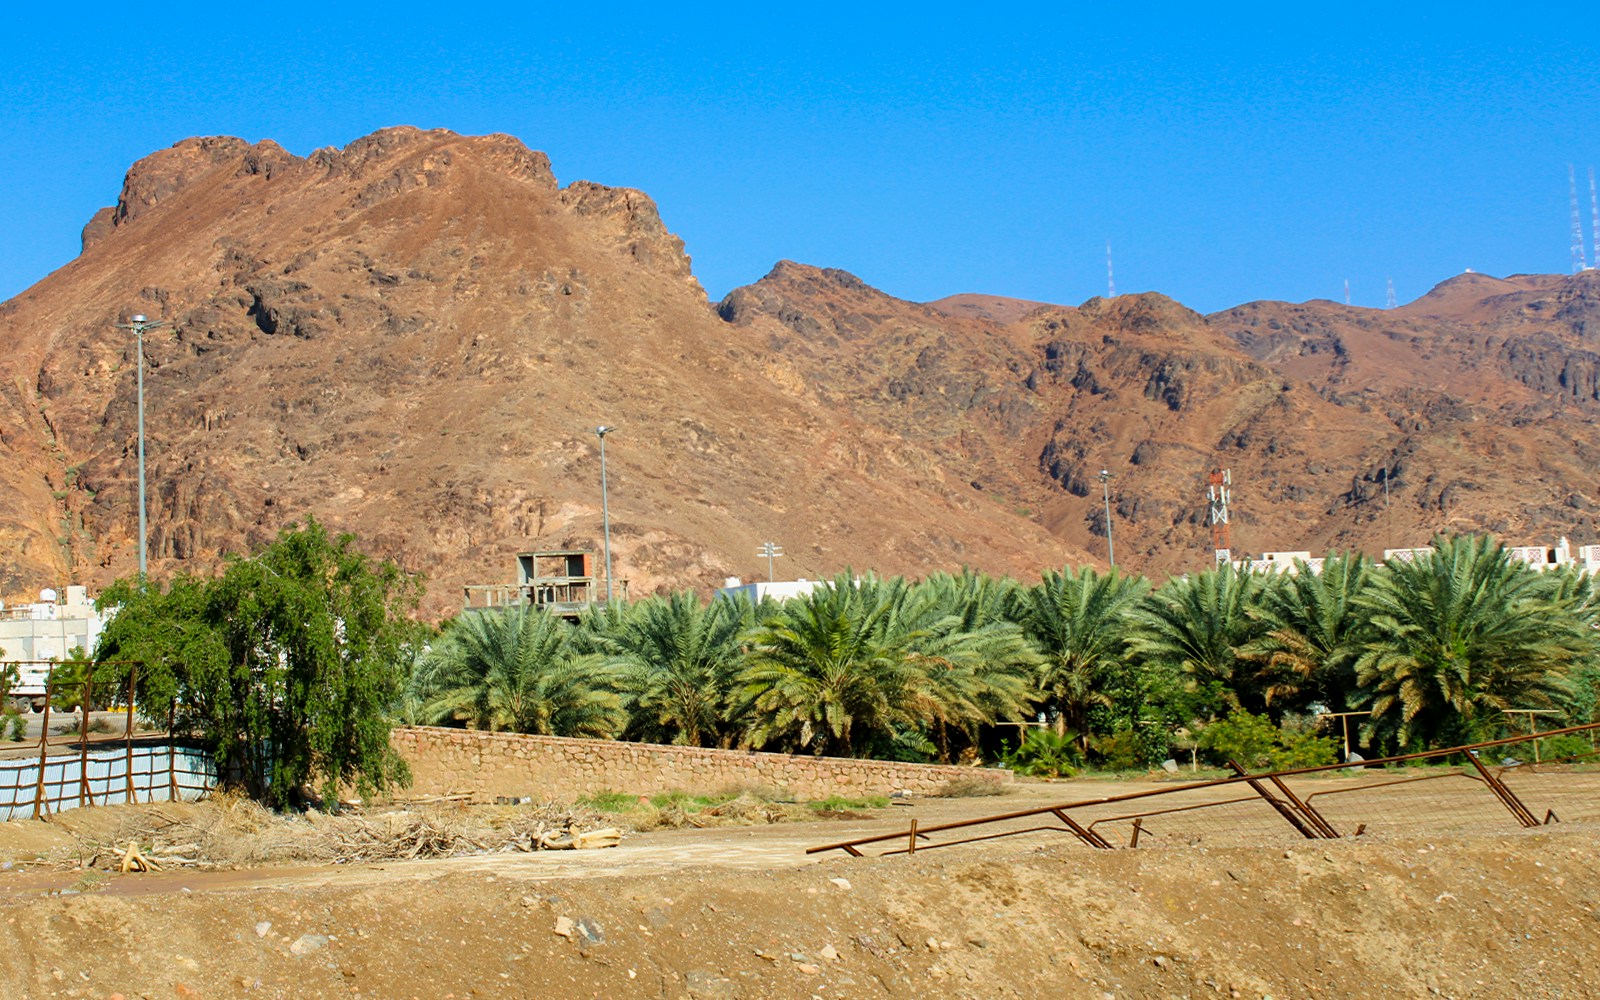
[1105, 494]
[139, 324]
[605, 506]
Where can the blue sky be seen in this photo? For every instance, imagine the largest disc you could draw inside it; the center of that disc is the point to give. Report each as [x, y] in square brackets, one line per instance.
[1227, 155]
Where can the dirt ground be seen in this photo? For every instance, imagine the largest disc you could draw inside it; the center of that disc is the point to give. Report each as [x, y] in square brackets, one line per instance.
[745, 913]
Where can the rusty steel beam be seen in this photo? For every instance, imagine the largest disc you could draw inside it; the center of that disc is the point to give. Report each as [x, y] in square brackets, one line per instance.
[1320, 828]
[1283, 808]
[1316, 819]
[1505, 795]
[971, 840]
[1087, 836]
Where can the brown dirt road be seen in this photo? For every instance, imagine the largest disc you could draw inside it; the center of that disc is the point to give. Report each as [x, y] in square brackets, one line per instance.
[743, 913]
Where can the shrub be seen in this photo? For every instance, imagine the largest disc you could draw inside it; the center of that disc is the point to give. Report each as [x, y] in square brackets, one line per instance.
[1122, 751]
[1565, 747]
[16, 727]
[841, 803]
[610, 802]
[1045, 754]
[1258, 745]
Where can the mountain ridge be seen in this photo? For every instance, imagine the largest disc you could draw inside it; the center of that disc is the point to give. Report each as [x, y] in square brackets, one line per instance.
[413, 337]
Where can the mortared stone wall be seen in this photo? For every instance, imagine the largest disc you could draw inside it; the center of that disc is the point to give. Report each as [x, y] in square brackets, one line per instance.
[489, 766]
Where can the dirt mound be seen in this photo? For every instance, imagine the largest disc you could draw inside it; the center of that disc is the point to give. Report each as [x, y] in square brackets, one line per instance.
[1465, 918]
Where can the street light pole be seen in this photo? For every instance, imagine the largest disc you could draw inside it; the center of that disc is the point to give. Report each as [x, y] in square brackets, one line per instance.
[139, 324]
[1105, 493]
[605, 506]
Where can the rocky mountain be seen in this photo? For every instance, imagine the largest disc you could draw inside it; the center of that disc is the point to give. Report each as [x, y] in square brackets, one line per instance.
[413, 338]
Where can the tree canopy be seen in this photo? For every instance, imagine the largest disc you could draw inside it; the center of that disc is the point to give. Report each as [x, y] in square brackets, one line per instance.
[283, 666]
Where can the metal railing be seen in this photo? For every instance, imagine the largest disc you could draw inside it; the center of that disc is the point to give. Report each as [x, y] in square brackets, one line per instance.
[1468, 792]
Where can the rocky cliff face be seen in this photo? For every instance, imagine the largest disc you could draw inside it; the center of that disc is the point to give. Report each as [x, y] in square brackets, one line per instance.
[413, 338]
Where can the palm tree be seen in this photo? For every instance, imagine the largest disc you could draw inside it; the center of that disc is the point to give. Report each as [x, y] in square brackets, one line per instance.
[1192, 628]
[865, 665]
[679, 664]
[1078, 625]
[973, 599]
[1460, 636]
[516, 669]
[1313, 630]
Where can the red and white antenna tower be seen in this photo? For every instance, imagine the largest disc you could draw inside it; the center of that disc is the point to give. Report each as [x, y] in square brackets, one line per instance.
[1218, 485]
[1594, 217]
[1111, 281]
[1579, 263]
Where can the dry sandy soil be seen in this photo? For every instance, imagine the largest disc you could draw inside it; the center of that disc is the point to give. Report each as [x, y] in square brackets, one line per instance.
[731, 913]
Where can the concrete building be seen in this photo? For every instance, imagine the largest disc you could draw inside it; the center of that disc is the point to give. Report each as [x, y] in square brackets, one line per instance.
[1539, 557]
[561, 582]
[778, 590]
[47, 629]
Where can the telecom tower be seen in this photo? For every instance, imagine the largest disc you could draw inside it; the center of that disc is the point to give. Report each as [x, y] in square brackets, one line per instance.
[1217, 490]
[1594, 217]
[1390, 303]
[1111, 281]
[1347, 291]
[1578, 261]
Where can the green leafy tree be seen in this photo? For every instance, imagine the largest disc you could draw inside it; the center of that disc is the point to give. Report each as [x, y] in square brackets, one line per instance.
[518, 669]
[976, 665]
[284, 666]
[1461, 635]
[1077, 623]
[10, 674]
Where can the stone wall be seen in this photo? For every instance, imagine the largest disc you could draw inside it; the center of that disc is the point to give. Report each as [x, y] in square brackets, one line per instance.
[487, 766]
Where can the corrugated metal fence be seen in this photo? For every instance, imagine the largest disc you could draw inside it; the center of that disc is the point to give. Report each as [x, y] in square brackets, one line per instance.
[66, 771]
[148, 770]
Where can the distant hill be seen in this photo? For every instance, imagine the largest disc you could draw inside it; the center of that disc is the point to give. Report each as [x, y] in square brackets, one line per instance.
[996, 308]
[413, 338]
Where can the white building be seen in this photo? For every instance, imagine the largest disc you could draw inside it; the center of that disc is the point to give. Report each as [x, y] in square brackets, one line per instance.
[1283, 562]
[778, 590]
[1539, 557]
[47, 629]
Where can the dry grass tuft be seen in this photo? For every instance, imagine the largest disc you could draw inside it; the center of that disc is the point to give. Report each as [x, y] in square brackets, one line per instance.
[230, 831]
[969, 788]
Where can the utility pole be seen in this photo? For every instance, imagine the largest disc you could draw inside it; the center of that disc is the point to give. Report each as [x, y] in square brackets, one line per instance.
[770, 550]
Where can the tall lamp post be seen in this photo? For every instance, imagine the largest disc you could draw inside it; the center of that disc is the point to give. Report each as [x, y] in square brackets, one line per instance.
[605, 506]
[139, 324]
[1105, 494]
